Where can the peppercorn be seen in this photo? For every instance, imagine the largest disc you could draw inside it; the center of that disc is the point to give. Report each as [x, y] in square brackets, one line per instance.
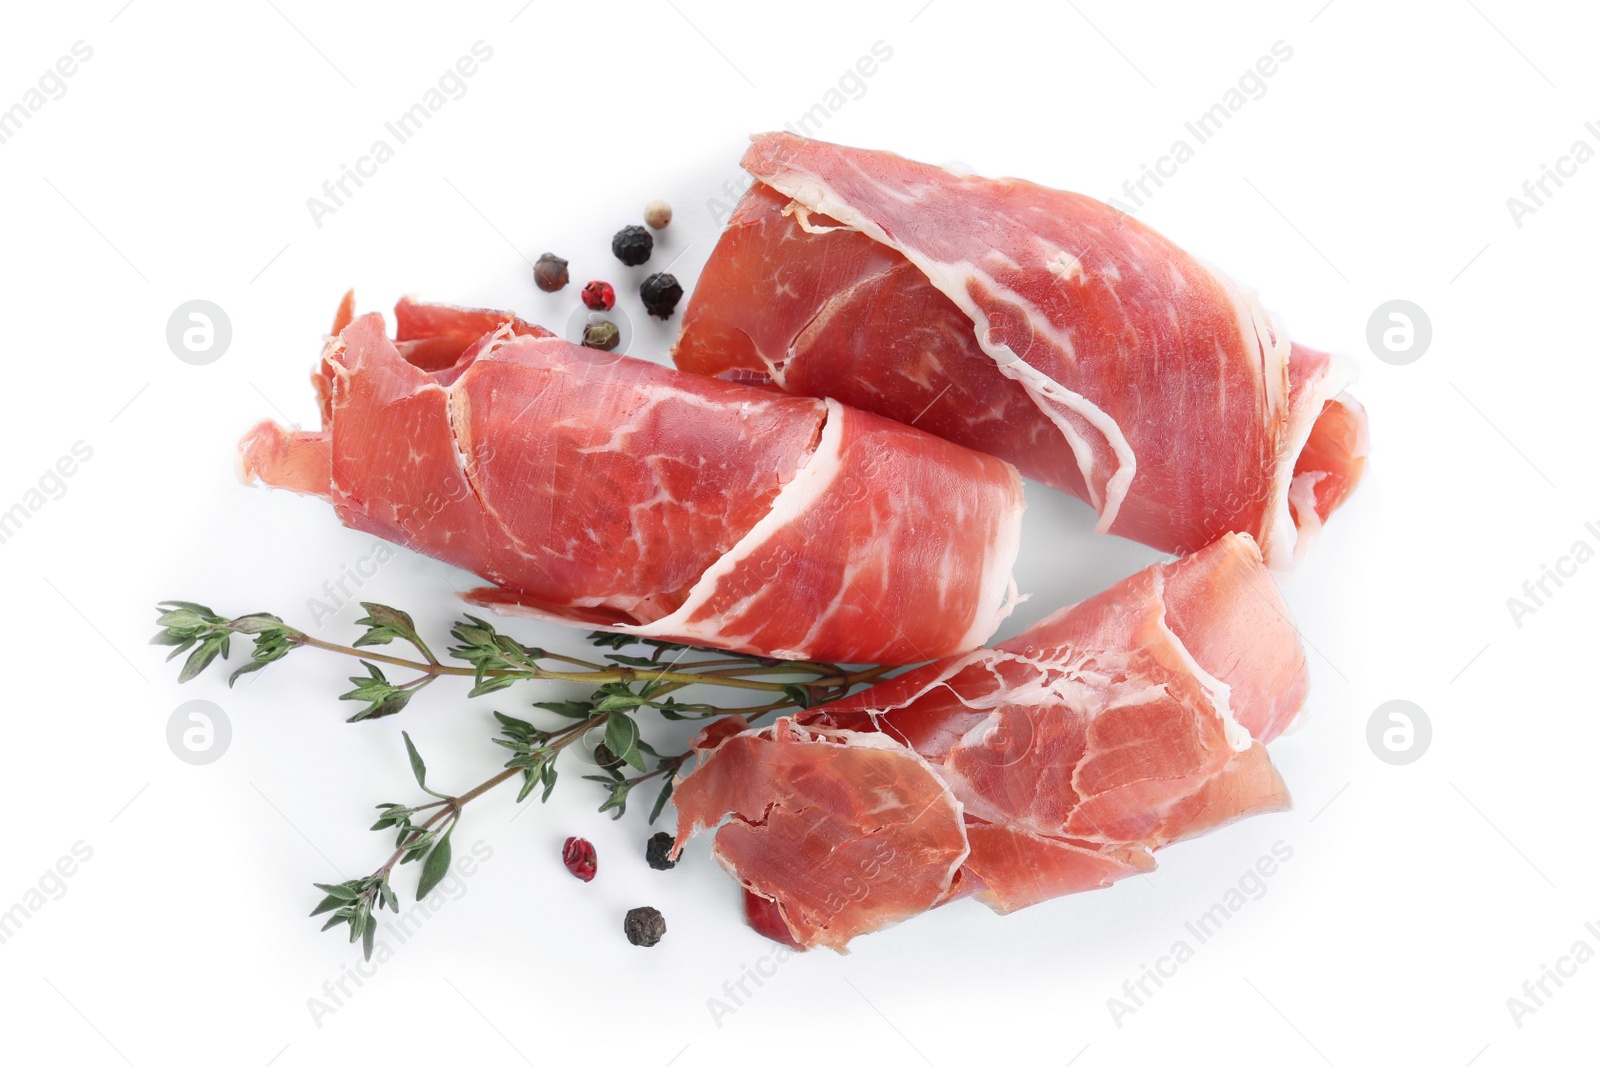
[657, 852]
[599, 296]
[603, 335]
[603, 756]
[658, 213]
[550, 272]
[660, 293]
[644, 927]
[579, 857]
[632, 245]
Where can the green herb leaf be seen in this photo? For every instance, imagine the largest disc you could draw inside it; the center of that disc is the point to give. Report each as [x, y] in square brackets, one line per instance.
[617, 802]
[272, 643]
[661, 799]
[383, 698]
[258, 623]
[492, 685]
[181, 619]
[530, 780]
[622, 738]
[617, 701]
[414, 841]
[393, 621]
[329, 902]
[391, 703]
[418, 768]
[343, 892]
[572, 709]
[436, 866]
[520, 734]
[633, 661]
[603, 639]
[202, 656]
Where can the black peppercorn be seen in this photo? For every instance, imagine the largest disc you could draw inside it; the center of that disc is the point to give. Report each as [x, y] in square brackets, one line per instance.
[644, 927]
[660, 293]
[603, 756]
[632, 245]
[657, 852]
[602, 335]
[550, 272]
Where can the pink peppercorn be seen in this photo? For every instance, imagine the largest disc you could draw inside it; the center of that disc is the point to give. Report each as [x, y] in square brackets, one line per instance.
[579, 857]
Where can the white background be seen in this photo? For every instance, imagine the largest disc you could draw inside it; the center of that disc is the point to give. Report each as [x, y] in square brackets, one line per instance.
[1377, 166]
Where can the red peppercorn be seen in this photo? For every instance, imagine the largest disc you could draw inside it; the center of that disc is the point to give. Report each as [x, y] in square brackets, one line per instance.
[599, 296]
[580, 859]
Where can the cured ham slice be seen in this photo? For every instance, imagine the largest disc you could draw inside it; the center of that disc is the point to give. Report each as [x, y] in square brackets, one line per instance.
[609, 492]
[1066, 755]
[806, 808]
[1036, 325]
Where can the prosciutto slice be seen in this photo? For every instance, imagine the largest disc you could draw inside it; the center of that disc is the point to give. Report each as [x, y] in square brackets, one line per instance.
[610, 492]
[1036, 325]
[1052, 763]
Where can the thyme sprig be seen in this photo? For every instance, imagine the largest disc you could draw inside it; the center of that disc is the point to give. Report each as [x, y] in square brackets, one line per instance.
[625, 683]
[495, 661]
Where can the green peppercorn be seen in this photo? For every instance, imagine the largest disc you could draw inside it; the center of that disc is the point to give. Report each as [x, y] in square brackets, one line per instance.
[632, 245]
[660, 293]
[605, 336]
[644, 927]
[550, 272]
[657, 852]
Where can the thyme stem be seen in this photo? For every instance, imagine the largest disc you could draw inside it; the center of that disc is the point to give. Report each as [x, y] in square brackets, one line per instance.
[450, 807]
[599, 674]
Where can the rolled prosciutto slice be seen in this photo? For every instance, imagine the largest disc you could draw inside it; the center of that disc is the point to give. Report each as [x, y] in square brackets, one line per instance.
[1052, 763]
[613, 493]
[1036, 325]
